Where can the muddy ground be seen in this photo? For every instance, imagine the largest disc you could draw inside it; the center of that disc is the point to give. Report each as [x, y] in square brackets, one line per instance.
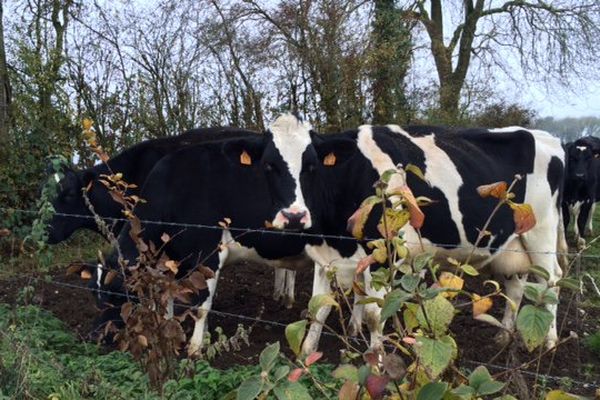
[246, 290]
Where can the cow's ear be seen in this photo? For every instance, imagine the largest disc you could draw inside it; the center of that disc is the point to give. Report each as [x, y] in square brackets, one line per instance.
[243, 152]
[335, 152]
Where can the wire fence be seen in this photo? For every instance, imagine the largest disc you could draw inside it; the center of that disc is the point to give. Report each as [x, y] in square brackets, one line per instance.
[355, 339]
[302, 234]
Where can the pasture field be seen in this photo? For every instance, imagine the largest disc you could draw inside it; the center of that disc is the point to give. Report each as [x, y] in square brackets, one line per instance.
[46, 316]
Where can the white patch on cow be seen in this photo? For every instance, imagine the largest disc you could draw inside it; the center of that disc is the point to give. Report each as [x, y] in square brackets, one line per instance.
[291, 137]
[581, 148]
[380, 160]
[56, 177]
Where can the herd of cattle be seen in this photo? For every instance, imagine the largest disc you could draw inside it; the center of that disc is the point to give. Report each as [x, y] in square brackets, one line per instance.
[295, 179]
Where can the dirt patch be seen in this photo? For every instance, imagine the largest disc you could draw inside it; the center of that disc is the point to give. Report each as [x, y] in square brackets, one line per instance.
[245, 290]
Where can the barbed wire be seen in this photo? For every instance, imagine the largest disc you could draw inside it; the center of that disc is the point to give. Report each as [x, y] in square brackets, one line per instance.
[283, 325]
[302, 234]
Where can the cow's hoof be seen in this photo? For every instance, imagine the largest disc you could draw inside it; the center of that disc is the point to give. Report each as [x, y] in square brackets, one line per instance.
[580, 243]
[288, 302]
[502, 338]
[551, 344]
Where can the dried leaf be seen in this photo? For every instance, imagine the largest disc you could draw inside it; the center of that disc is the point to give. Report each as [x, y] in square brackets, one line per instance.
[376, 386]
[173, 266]
[165, 237]
[481, 304]
[348, 391]
[329, 160]
[73, 268]
[496, 190]
[364, 263]
[142, 340]
[85, 274]
[198, 280]
[416, 215]
[87, 123]
[523, 216]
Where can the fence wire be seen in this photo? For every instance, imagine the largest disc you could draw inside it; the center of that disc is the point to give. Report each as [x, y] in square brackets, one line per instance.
[302, 234]
[553, 378]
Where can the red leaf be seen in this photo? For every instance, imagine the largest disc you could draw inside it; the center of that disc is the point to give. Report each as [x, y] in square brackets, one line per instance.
[364, 264]
[376, 386]
[523, 216]
[295, 375]
[313, 358]
[416, 215]
[496, 190]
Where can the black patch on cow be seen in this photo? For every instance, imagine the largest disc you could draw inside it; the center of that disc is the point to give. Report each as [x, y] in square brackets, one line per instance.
[555, 173]
[482, 157]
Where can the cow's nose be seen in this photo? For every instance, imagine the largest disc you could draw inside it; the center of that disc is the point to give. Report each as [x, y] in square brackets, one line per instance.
[294, 219]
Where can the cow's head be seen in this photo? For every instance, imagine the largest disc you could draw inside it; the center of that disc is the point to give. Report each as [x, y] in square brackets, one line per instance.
[69, 200]
[580, 162]
[287, 158]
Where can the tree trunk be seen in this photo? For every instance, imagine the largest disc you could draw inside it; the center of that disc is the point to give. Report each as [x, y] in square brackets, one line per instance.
[4, 87]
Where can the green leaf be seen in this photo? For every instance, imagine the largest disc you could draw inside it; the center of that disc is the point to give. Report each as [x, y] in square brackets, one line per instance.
[410, 282]
[432, 391]
[483, 383]
[440, 313]
[363, 374]
[568, 283]
[549, 296]
[268, 356]
[294, 333]
[347, 372]
[464, 391]
[281, 372]
[469, 270]
[320, 300]
[387, 174]
[434, 354]
[421, 260]
[533, 291]
[490, 387]
[410, 316]
[533, 323]
[392, 303]
[291, 391]
[250, 388]
[539, 271]
[415, 170]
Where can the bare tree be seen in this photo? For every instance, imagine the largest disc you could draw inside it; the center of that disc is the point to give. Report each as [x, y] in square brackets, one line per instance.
[554, 39]
[4, 86]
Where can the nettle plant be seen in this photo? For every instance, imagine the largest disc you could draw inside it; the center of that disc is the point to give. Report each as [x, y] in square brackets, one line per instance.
[419, 356]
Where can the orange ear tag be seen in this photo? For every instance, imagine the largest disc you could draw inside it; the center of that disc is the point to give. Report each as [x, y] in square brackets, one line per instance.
[245, 158]
[329, 160]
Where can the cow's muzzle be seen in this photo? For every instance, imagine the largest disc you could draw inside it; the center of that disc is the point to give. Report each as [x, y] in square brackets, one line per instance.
[294, 218]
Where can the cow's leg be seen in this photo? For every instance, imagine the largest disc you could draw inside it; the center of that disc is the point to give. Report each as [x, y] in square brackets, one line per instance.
[513, 288]
[320, 286]
[588, 230]
[566, 216]
[576, 209]
[201, 326]
[290, 283]
[584, 214]
[373, 313]
[279, 286]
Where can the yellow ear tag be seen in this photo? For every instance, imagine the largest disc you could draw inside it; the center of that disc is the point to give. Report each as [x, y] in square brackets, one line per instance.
[329, 160]
[245, 158]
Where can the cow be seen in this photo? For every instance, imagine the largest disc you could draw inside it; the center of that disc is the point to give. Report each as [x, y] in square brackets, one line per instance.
[249, 179]
[454, 163]
[135, 163]
[582, 189]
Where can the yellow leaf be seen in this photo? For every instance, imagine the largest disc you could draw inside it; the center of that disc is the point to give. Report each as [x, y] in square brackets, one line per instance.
[496, 190]
[560, 395]
[329, 160]
[450, 281]
[245, 158]
[481, 305]
[523, 216]
[416, 215]
[85, 274]
[172, 265]
[87, 123]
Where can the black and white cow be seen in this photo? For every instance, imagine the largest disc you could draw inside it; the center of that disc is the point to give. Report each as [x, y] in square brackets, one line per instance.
[135, 163]
[251, 179]
[582, 189]
[455, 163]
